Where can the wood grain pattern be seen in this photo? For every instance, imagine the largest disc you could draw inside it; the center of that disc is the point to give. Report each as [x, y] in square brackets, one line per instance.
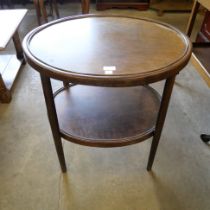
[107, 117]
[94, 43]
[92, 51]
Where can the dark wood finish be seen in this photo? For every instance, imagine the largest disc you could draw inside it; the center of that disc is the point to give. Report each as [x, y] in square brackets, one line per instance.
[161, 119]
[133, 4]
[144, 61]
[107, 117]
[114, 115]
[50, 105]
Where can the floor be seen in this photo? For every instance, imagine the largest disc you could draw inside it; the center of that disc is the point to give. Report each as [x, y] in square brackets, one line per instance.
[105, 179]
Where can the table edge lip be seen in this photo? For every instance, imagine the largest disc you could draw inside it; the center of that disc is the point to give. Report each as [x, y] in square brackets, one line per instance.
[62, 74]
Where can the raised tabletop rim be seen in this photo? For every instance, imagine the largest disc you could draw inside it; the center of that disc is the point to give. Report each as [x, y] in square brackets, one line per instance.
[107, 80]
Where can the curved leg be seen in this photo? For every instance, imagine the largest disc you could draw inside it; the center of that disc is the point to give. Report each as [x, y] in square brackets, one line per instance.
[161, 119]
[205, 138]
[52, 116]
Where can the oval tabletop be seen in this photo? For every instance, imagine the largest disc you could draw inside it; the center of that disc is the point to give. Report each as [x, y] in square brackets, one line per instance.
[93, 49]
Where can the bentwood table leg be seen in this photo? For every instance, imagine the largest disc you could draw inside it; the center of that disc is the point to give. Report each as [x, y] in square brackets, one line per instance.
[52, 116]
[161, 119]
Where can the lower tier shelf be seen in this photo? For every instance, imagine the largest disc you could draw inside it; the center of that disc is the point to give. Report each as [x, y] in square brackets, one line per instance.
[9, 69]
[107, 116]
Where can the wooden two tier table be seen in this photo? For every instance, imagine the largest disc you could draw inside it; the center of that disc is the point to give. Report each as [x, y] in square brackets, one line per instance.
[106, 64]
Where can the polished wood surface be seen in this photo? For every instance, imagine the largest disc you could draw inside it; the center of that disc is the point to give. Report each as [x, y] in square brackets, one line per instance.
[53, 120]
[9, 22]
[107, 117]
[107, 50]
[102, 61]
[167, 91]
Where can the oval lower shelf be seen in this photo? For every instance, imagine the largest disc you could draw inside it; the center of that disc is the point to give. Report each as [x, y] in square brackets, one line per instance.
[107, 116]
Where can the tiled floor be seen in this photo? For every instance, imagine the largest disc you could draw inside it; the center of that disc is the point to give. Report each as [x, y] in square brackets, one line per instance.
[99, 179]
